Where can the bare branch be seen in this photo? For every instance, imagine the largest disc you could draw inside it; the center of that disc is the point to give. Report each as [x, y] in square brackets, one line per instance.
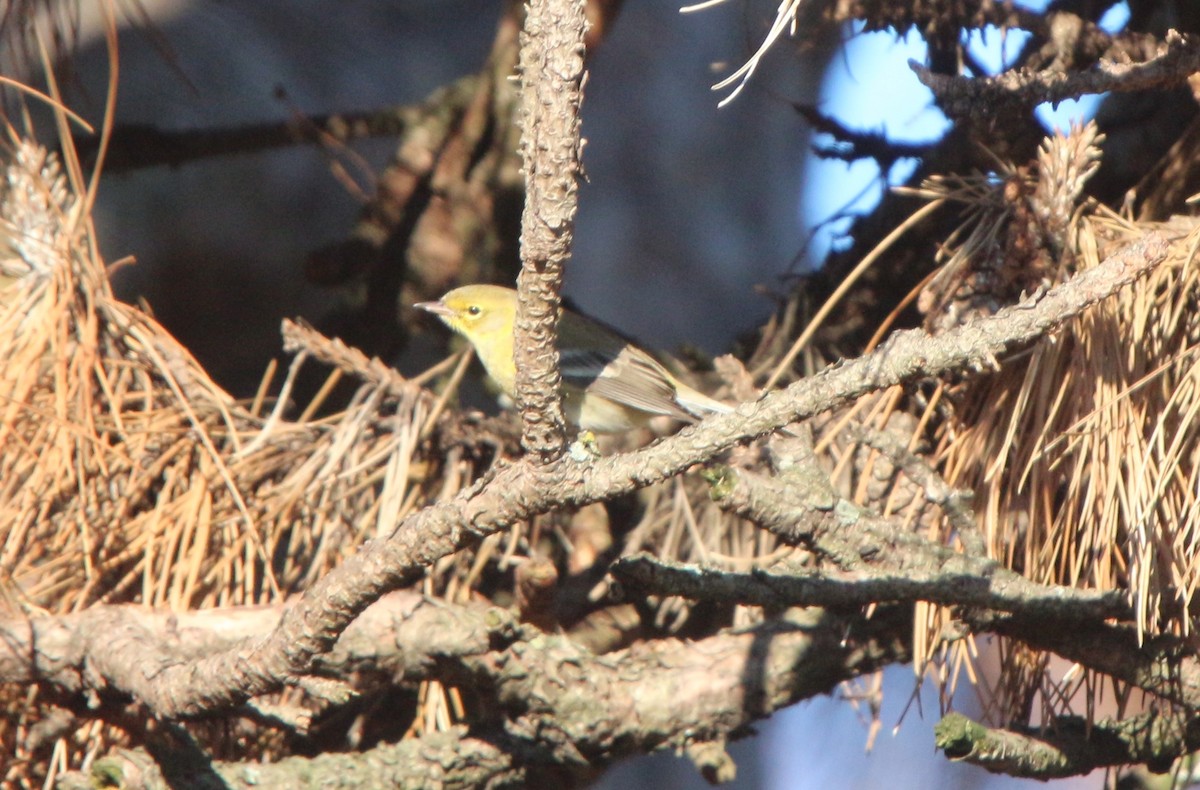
[1165, 666]
[136, 146]
[572, 712]
[850, 145]
[1071, 746]
[311, 624]
[941, 577]
[718, 685]
[552, 76]
[346, 358]
[996, 97]
[955, 504]
[395, 638]
[451, 759]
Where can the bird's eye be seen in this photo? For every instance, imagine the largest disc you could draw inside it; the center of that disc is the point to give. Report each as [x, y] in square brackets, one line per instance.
[474, 310]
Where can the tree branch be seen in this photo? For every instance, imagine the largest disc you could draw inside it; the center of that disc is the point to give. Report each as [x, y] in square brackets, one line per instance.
[451, 759]
[954, 503]
[945, 578]
[348, 359]
[573, 713]
[980, 98]
[397, 637]
[883, 561]
[311, 624]
[552, 76]
[1164, 665]
[1071, 746]
[136, 146]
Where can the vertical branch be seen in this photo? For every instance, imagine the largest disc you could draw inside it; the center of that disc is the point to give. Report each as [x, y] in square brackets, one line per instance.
[552, 74]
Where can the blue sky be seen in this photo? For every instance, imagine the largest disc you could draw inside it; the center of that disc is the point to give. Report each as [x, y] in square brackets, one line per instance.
[871, 88]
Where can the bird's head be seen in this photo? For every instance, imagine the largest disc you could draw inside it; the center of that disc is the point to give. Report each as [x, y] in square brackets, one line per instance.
[476, 311]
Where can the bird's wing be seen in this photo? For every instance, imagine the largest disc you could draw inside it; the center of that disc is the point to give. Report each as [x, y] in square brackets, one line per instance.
[632, 378]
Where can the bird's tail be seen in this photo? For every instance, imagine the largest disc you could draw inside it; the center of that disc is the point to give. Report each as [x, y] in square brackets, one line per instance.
[697, 403]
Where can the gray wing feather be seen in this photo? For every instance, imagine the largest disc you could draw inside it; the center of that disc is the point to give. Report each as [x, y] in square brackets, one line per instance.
[631, 378]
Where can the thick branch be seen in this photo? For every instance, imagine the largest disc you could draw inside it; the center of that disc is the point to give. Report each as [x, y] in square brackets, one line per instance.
[1071, 746]
[572, 713]
[1163, 665]
[668, 693]
[552, 75]
[451, 759]
[310, 625]
[397, 637]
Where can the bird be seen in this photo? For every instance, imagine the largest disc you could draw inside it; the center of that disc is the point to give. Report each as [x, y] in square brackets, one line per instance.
[610, 385]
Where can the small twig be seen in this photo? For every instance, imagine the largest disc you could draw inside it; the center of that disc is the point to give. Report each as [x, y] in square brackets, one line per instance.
[299, 337]
[713, 761]
[851, 145]
[993, 97]
[137, 146]
[954, 502]
[294, 718]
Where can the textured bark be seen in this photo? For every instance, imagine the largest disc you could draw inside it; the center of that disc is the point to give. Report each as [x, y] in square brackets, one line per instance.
[1073, 746]
[568, 713]
[552, 77]
[310, 625]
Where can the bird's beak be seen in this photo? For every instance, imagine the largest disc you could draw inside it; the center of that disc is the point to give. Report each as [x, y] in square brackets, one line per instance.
[437, 308]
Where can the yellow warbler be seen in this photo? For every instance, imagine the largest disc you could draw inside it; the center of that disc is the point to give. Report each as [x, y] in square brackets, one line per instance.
[609, 384]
